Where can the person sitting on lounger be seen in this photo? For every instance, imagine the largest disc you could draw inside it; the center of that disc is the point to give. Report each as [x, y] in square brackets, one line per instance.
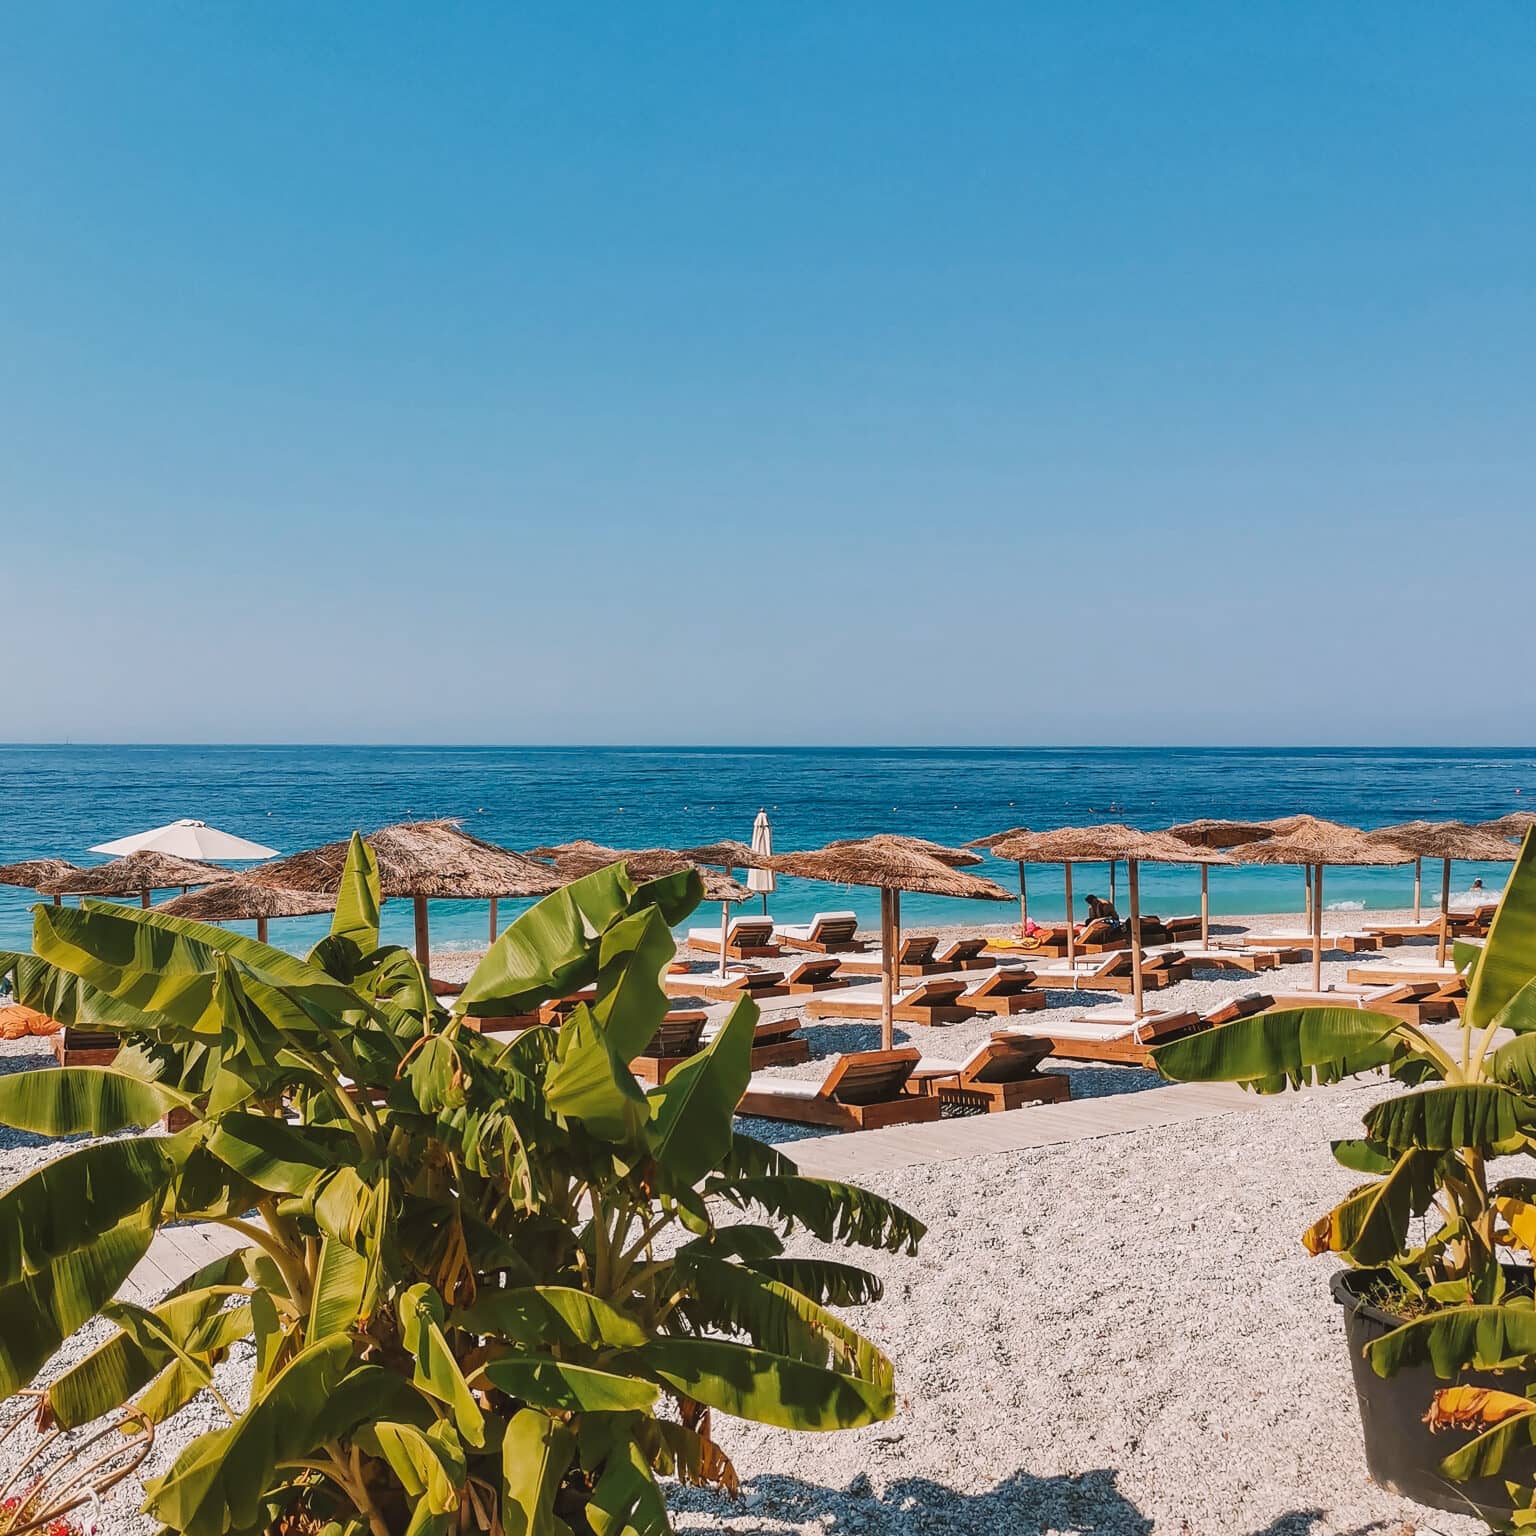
[1102, 912]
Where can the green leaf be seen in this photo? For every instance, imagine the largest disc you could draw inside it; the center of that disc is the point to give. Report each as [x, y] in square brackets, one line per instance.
[218, 1484]
[832, 1211]
[560, 1387]
[1451, 1116]
[1363, 1156]
[341, 1282]
[1485, 1454]
[75, 1101]
[766, 1388]
[437, 1373]
[590, 1083]
[1288, 1048]
[693, 1111]
[107, 1377]
[626, 1500]
[552, 1315]
[1482, 1338]
[631, 1003]
[189, 1370]
[1371, 1225]
[1509, 955]
[1518, 1015]
[552, 949]
[39, 1312]
[275, 1156]
[823, 1280]
[1514, 1064]
[357, 898]
[535, 1453]
[429, 1463]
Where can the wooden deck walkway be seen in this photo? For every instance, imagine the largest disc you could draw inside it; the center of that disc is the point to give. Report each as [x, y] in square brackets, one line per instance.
[177, 1252]
[855, 1154]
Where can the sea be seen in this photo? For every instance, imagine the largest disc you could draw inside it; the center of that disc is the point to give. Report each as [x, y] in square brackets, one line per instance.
[60, 800]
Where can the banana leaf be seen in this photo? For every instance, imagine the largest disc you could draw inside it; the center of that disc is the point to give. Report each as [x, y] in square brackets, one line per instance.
[692, 1111]
[1479, 1338]
[1371, 1225]
[1508, 960]
[1487, 1117]
[76, 1101]
[536, 1452]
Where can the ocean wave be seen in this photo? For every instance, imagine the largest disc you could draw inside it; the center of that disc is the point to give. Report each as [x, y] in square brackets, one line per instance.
[1345, 906]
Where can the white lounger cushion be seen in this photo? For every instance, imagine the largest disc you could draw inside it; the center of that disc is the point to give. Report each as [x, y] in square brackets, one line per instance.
[784, 1087]
[872, 994]
[712, 935]
[808, 930]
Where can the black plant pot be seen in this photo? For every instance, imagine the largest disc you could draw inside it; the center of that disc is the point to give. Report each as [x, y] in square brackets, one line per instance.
[1400, 1451]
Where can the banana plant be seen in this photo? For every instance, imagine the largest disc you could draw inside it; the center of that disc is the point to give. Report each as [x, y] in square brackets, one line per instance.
[487, 1284]
[1471, 1099]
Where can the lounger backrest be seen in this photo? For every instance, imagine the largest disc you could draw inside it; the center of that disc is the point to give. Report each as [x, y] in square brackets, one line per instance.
[869, 1077]
[1005, 981]
[1162, 960]
[964, 949]
[917, 949]
[770, 1030]
[834, 925]
[1005, 1059]
[1156, 1026]
[933, 992]
[820, 969]
[1098, 929]
[679, 1034]
[1240, 1008]
[744, 930]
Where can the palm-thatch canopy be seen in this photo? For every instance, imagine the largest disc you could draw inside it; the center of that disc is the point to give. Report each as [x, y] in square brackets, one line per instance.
[570, 861]
[1447, 840]
[956, 858]
[992, 839]
[134, 875]
[33, 874]
[1211, 833]
[727, 853]
[418, 859]
[240, 899]
[577, 847]
[886, 865]
[1312, 841]
[1515, 824]
[1110, 840]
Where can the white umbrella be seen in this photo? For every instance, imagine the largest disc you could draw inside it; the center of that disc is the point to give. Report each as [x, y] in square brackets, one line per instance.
[762, 842]
[187, 839]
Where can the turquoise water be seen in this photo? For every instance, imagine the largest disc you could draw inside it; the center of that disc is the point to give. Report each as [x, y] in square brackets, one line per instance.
[58, 800]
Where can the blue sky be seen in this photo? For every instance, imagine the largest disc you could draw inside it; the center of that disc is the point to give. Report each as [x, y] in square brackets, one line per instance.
[805, 373]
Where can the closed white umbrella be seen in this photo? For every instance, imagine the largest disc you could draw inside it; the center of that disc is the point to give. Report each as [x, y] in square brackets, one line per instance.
[762, 880]
[187, 839]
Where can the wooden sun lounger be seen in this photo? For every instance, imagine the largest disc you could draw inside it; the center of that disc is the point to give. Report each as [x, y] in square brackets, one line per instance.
[775, 1042]
[511, 1023]
[1243, 1007]
[735, 983]
[934, 1000]
[1386, 975]
[1008, 990]
[1301, 943]
[861, 1091]
[75, 1047]
[1412, 1002]
[1115, 972]
[747, 938]
[914, 958]
[1249, 960]
[819, 975]
[679, 1036]
[965, 955]
[826, 933]
[1001, 1073]
[1112, 1036]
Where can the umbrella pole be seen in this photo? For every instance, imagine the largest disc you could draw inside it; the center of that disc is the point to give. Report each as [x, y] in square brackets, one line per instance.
[1306, 876]
[887, 961]
[765, 903]
[725, 933]
[1023, 903]
[144, 900]
[261, 930]
[493, 919]
[1133, 884]
[1112, 882]
[1205, 906]
[58, 901]
[1317, 929]
[1418, 880]
[1445, 913]
[1071, 932]
[423, 941]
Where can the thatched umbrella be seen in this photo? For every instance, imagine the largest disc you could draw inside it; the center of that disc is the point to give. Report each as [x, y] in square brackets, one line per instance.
[889, 868]
[904, 842]
[1516, 824]
[33, 874]
[239, 900]
[136, 875]
[1286, 824]
[1445, 840]
[728, 854]
[990, 842]
[1314, 844]
[1070, 845]
[1209, 833]
[420, 860]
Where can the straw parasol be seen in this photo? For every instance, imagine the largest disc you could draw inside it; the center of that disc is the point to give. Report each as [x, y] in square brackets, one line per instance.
[1210, 833]
[761, 880]
[1314, 843]
[904, 842]
[188, 839]
[1110, 840]
[136, 875]
[1516, 824]
[420, 860]
[890, 868]
[1444, 840]
[239, 899]
[33, 874]
[727, 853]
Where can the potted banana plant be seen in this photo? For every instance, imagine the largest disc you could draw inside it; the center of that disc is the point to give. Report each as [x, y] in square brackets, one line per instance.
[1437, 1283]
